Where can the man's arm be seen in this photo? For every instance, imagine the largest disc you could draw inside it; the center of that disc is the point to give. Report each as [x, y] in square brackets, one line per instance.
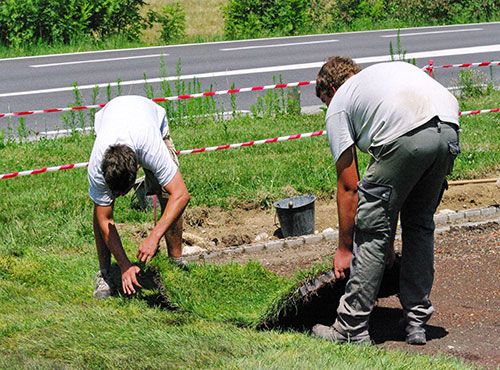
[178, 199]
[105, 225]
[347, 203]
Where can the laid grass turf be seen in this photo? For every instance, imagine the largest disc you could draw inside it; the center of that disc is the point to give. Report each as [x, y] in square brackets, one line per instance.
[248, 290]
[47, 259]
[49, 320]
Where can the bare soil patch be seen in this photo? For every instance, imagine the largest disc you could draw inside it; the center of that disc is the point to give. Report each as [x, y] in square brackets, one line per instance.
[213, 228]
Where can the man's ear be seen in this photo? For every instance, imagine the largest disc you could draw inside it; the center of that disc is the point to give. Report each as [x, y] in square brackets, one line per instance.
[333, 90]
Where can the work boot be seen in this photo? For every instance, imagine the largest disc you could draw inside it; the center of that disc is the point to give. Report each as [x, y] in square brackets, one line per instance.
[331, 334]
[415, 335]
[103, 285]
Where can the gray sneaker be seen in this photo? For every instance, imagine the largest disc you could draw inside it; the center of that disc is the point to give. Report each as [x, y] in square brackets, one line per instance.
[415, 335]
[103, 285]
[180, 262]
[331, 334]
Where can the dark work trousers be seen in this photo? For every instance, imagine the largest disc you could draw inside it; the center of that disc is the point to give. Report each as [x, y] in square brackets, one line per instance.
[405, 177]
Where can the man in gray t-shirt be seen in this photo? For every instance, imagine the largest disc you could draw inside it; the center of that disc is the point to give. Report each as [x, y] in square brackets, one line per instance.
[408, 123]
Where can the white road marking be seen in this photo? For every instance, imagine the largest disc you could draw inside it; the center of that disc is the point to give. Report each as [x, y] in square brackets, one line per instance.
[432, 32]
[278, 45]
[236, 41]
[96, 60]
[281, 68]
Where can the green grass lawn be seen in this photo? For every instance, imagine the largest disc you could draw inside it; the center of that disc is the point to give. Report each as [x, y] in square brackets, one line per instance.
[48, 318]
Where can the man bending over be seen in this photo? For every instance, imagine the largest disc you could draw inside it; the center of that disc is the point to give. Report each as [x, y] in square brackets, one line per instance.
[132, 131]
[408, 123]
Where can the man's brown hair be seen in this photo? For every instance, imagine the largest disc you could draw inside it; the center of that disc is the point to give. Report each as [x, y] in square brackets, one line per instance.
[334, 73]
[119, 166]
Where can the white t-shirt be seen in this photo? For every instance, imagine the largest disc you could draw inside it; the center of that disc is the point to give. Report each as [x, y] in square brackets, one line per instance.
[383, 102]
[140, 124]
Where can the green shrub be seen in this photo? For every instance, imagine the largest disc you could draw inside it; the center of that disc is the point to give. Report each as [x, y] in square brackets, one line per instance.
[253, 18]
[443, 11]
[257, 18]
[172, 19]
[28, 22]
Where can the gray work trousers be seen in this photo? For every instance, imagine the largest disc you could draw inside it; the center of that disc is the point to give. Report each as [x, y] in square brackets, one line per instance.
[405, 177]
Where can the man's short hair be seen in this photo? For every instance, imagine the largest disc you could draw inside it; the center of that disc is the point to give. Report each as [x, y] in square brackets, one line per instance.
[334, 73]
[119, 166]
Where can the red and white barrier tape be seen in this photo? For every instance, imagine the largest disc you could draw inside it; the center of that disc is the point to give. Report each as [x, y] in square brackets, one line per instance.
[51, 110]
[430, 67]
[253, 142]
[43, 170]
[213, 148]
[478, 111]
[189, 151]
[167, 98]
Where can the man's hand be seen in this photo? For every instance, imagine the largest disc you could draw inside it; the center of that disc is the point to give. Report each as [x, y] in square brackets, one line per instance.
[147, 250]
[341, 262]
[129, 279]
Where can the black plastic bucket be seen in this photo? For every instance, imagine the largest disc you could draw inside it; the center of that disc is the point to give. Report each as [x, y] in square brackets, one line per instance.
[296, 215]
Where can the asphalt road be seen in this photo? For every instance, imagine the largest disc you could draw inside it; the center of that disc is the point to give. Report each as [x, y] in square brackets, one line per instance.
[30, 83]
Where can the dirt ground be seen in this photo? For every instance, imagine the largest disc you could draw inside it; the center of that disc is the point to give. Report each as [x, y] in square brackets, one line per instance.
[213, 228]
[466, 294]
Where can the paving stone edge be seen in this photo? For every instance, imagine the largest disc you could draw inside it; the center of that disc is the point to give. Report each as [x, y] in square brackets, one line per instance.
[444, 222]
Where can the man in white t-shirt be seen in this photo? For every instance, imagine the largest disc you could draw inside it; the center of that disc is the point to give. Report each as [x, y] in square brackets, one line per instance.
[132, 131]
[408, 123]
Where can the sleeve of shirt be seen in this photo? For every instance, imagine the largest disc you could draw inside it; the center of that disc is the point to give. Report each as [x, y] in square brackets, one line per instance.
[157, 159]
[99, 192]
[339, 133]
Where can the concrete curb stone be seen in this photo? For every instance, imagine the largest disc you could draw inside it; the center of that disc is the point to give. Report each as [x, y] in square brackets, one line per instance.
[445, 222]
[275, 245]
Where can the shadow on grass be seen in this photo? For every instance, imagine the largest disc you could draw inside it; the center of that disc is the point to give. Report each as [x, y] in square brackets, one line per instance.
[315, 301]
[152, 289]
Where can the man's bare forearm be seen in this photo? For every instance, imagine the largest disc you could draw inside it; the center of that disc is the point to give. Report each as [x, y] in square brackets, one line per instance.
[347, 200]
[347, 196]
[104, 224]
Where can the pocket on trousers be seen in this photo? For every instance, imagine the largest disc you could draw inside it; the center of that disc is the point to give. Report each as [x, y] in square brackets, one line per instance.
[454, 151]
[373, 206]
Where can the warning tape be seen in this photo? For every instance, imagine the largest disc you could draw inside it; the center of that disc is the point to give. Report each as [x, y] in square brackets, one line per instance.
[253, 142]
[430, 67]
[43, 170]
[51, 110]
[478, 111]
[189, 151]
[213, 148]
[167, 98]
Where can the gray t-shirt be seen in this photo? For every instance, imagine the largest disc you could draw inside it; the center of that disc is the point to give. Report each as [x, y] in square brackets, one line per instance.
[138, 123]
[383, 102]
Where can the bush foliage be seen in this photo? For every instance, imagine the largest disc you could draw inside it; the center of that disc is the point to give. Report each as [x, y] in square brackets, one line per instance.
[172, 19]
[25, 22]
[252, 18]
